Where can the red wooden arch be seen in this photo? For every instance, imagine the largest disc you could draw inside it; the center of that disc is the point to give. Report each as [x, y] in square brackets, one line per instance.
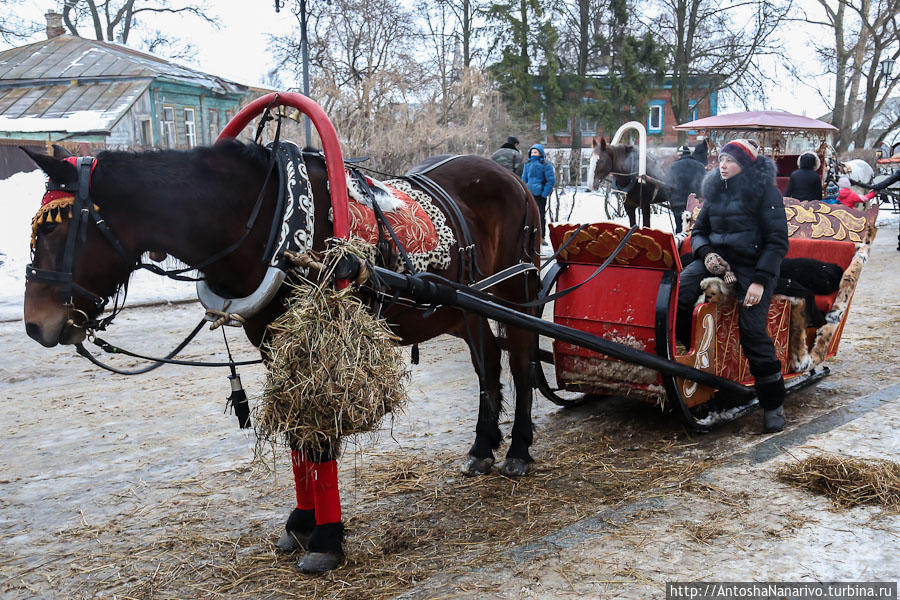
[334, 159]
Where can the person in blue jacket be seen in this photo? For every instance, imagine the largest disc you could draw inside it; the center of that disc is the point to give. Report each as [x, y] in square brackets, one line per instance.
[539, 178]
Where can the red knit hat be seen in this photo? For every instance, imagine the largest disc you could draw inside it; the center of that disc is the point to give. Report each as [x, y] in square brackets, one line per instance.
[741, 150]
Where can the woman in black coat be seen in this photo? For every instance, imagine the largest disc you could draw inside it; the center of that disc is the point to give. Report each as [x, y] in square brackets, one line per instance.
[742, 229]
[805, 183]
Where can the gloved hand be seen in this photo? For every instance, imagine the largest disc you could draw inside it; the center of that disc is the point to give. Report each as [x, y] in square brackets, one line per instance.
[717, 265]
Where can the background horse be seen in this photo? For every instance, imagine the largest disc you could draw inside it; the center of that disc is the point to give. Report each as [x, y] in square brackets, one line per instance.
[193, 204]
[857, 169]
[621, 161]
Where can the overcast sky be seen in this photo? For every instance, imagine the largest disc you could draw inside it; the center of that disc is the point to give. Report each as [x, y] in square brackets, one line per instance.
[238, 51]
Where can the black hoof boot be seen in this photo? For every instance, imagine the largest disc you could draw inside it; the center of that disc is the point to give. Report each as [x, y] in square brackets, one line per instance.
[477, 466]
[773, 420]
[326, 549]
[297, 530]
[515, 467]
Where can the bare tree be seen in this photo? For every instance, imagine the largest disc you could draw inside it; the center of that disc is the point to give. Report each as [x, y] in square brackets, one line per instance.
[465, 30]
[717, 44]
[114, 21]
[863, 33]
[14, 29]
[385, 100]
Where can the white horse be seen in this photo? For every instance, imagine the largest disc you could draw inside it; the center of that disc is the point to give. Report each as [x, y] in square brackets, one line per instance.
[858, 170]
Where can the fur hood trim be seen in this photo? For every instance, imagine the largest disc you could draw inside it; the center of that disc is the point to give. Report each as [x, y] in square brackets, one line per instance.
[751, 183]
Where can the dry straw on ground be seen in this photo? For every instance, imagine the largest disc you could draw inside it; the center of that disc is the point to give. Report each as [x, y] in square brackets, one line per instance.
[847, 481]
[334, 369]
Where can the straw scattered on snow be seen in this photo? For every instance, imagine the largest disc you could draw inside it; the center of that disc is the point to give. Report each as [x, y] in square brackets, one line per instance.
[847, 481]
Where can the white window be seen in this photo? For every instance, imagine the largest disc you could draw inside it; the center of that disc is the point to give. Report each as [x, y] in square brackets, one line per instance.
[190, 127]
[168, 126]
[656, 117]
[694, 113]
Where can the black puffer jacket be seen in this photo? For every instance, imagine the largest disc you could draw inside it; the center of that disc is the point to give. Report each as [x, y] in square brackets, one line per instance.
[743, 220]
[804, 184]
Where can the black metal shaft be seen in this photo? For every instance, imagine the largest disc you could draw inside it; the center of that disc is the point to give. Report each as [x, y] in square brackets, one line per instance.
[431, 292]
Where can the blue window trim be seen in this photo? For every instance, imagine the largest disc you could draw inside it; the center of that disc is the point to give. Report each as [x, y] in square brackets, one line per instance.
[662, 116]
[693, 113]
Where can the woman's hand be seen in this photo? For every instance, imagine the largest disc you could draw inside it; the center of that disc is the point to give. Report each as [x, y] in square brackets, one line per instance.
[754, 294]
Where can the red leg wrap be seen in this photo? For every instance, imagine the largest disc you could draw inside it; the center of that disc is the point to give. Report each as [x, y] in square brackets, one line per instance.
[325, 485]
[303, 480]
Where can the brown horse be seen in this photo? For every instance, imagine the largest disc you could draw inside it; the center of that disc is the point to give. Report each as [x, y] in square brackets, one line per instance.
[621, 161]
[193, 204]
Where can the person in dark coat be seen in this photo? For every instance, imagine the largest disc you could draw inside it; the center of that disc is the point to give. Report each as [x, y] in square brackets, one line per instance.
[805, 183]
[742, 231]
[701, 153]
[539, 178]
[684, 178]
[508, 155]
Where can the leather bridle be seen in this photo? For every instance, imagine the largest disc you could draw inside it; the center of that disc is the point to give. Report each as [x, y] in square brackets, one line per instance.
[83, 211]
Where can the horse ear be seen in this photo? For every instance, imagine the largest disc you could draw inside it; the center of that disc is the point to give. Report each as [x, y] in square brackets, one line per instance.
[60, 152]
[603, 143]
[58, 170]
[593, 142]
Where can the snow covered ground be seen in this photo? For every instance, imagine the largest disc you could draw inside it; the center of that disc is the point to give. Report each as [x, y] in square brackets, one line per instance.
[20, 197]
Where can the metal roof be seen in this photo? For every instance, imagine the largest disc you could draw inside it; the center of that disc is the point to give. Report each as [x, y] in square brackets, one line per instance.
[67, 57]
[75, 85]
[758, 120]
[67, 108]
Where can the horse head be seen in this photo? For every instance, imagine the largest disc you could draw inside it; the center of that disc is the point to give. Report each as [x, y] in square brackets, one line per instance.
[68, 282]
[601, 163]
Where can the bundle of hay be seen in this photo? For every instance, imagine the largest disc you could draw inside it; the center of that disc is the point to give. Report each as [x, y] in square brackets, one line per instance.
[335, 370]
[847, 481]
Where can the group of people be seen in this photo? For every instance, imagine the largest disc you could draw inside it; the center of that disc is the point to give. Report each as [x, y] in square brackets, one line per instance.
[805, 184]
[536, 172]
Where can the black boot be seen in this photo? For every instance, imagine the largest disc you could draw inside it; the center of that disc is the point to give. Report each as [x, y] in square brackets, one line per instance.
[773, 420]
[770, 391]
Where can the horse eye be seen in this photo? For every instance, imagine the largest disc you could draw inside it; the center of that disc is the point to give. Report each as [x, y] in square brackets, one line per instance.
[47, 228]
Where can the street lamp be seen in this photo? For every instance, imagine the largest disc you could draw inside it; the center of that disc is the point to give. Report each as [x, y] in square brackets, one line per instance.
[887, 68]
[304, 54]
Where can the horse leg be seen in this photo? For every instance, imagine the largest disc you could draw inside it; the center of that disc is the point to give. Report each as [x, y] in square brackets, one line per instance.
[302, 519]
[646, 198]
[518, 459]
[631, 210]
[326, 540]
[485, 353]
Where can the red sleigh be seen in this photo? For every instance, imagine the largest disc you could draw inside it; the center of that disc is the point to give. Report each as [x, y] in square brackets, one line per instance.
[633, 301]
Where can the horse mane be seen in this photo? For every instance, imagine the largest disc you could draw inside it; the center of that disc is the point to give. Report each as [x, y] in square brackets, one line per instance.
[251, 152]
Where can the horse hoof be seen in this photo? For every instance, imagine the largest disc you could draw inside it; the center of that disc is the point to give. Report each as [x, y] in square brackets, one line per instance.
[477, 466]
[319, 562]
[291, 541]
[515, 468]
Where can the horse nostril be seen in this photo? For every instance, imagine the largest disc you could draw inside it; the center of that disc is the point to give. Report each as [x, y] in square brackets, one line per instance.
[33, 330]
